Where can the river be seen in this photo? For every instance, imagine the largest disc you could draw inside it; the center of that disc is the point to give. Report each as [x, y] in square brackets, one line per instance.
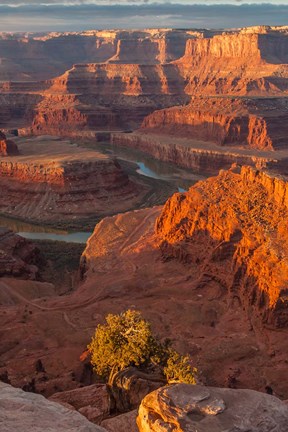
[180, 179]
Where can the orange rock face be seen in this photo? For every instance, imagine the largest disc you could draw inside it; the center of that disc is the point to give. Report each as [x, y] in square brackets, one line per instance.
[211, 275]
[256, 123]
[236, 63]
[244, 216]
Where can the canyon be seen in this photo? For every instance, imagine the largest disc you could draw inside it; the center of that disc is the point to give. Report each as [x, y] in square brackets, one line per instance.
[206, 266]
[117, 92]
[228, 89]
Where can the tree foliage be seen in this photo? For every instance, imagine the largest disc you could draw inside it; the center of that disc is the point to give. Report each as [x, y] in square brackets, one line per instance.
[178, 368]
[127, 340]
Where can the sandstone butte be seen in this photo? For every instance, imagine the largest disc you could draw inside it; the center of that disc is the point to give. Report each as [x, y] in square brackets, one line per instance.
[118, 91]
[211, 275]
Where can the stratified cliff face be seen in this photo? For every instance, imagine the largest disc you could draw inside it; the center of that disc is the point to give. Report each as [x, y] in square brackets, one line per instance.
[51, 181]
[17, 109]
[148, 71]
[240, 217]
[200, 156]
[116, 79]
[26, 57]
[7, 147]
[236, 63]
[256, 123]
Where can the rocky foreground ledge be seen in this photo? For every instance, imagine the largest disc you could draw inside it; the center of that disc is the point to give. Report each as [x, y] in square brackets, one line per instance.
[179, 407]
[21, 412]
[184, 408]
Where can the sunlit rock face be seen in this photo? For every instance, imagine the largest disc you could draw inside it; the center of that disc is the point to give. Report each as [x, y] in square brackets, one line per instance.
[183, 407]
[244, 215]
[253, 123]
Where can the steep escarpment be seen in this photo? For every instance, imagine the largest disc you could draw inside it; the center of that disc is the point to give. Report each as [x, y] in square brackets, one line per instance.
[201, 156]
[146, 72]
[129, 79]
[256, 123]
[228, 63]
[86, 114]
[236, 63]
[243, 218]
[17, 109]
[28, 57]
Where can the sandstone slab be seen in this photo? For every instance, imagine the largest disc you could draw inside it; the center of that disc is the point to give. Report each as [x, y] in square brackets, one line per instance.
[21, 411]
[184, 408]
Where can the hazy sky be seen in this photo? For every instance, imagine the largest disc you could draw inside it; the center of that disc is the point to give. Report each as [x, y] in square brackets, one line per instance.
[46, 15]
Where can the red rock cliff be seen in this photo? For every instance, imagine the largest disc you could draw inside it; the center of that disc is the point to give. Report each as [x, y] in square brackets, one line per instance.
[239, 217]
[236, 63]
[257, 123]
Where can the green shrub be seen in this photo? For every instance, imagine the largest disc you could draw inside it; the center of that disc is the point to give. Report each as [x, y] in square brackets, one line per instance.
[127, 340]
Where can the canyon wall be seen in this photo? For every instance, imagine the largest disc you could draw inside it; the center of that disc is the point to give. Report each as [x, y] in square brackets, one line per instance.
[49, 182]
[256, 123]
[196, 155]
[17, 109]
[113, 79]
[40, 57]
[236, 63]
[243, 217]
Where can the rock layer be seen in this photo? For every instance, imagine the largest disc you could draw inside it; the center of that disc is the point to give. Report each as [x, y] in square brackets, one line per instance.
[50, 181]
[183, 407]
[200, 156]
[146, 71]
[255, 123]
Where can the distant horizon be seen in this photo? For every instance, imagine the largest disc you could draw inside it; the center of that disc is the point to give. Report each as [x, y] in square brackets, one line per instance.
[84, 16]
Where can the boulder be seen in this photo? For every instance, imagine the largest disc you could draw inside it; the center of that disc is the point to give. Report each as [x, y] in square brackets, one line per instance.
[21, 411]
[92, 401]
[122, 423]
[184, 407]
